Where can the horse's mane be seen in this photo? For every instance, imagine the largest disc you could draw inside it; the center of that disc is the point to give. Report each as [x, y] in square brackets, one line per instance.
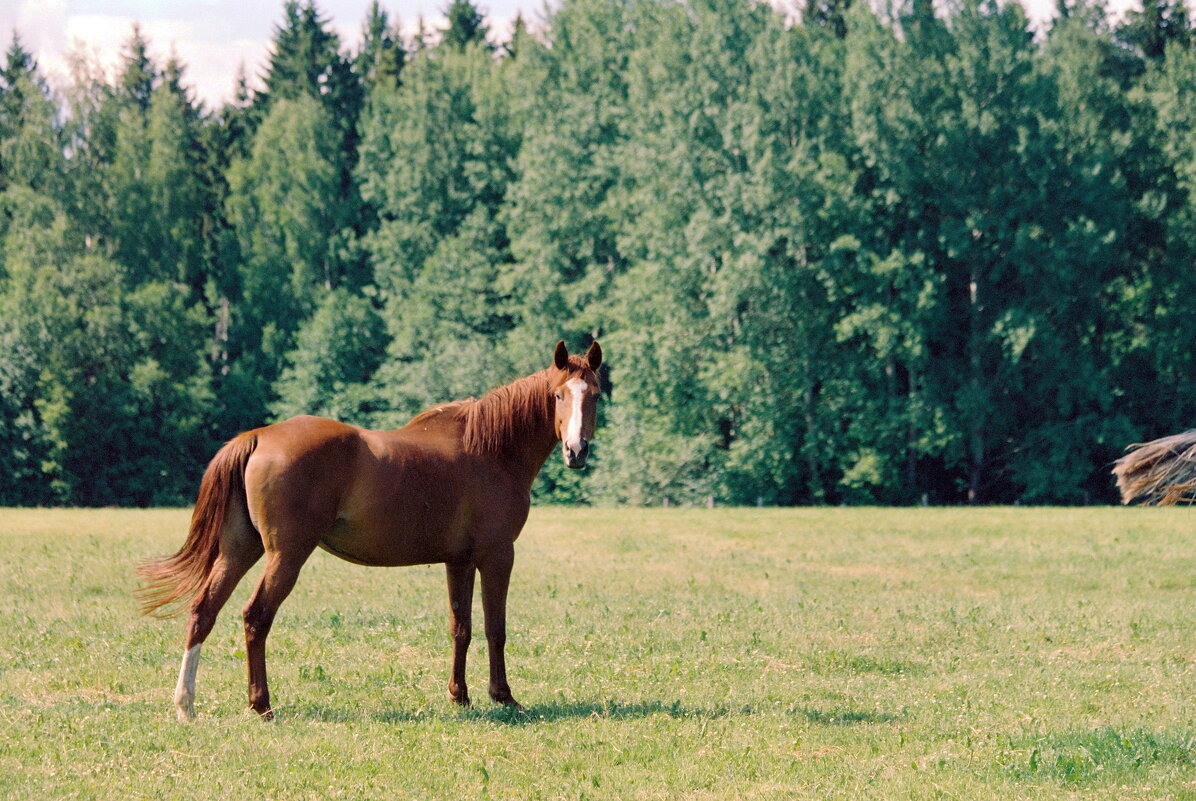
[493, 421]
[504, 415]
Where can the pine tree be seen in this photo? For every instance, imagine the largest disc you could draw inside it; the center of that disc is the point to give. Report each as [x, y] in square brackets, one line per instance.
[520, 37]
[466, 25]
[17, 77]
[380, 61]
[138, 75]
[30, 152]
[307, 60]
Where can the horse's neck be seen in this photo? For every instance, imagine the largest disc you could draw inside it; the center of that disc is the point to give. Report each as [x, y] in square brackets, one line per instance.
[514, 423]
[532, 460]
[532, 443]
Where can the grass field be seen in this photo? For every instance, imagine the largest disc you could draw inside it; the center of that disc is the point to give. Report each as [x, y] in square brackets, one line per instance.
[704, 654]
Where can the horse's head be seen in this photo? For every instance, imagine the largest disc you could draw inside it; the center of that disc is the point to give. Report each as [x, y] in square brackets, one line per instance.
[575, 387]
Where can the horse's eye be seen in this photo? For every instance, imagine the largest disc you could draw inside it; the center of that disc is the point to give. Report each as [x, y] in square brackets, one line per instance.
[560, 396]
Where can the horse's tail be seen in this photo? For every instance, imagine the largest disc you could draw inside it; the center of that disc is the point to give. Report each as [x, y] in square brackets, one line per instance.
[175, 579]
[1161, 472]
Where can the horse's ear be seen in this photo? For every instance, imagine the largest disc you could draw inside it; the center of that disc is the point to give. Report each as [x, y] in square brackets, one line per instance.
[594, 356]
[561, 357]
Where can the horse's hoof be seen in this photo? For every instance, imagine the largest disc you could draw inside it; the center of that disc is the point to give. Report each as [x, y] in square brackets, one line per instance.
[184, 709]
[507, 700]
[461, 699]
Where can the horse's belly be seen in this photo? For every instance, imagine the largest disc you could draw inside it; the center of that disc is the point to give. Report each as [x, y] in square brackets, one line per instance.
[392, 545]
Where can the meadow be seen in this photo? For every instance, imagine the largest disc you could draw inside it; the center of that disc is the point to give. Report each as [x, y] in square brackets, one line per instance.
[661, 653]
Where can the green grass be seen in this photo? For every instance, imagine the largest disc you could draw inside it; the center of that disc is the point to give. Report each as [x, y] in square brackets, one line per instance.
[697, 654]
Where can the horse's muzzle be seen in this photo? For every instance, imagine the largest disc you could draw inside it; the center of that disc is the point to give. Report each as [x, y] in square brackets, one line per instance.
[575, 455]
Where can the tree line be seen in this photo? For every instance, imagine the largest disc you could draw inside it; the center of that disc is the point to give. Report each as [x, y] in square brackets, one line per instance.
[875, 255]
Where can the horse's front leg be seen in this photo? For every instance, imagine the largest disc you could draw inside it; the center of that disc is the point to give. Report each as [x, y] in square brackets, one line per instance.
[496, 577]
[460, 588]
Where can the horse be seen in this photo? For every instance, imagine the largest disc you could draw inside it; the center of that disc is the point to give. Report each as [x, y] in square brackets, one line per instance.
[1162, 471]
[453, 486]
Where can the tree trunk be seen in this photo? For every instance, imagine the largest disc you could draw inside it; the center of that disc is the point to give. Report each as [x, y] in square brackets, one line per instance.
[976, 424]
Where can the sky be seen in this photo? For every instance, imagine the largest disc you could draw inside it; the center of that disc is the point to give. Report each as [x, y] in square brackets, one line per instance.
[213, 38]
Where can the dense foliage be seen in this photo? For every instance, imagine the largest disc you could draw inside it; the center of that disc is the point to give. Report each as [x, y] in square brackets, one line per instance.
[895, 257]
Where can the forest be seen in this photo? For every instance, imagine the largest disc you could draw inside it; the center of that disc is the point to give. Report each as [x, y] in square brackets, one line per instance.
[924, 253]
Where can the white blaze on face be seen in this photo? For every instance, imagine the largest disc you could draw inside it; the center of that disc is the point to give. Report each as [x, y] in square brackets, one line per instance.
[184, 693]
[572, 438]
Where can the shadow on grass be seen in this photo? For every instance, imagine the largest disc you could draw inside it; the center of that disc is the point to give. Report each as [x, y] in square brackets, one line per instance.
[539, 713]
[553, 712]
[607, 710]
[842, 717]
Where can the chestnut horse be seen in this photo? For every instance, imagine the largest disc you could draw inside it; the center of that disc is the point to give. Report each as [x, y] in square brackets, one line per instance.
[452, 486]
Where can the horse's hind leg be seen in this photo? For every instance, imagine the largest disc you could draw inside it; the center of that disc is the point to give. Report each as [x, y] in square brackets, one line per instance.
[240, 547]
[277, 581]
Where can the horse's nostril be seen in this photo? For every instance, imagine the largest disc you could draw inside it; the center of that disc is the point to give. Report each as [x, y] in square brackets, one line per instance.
[575, 455]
